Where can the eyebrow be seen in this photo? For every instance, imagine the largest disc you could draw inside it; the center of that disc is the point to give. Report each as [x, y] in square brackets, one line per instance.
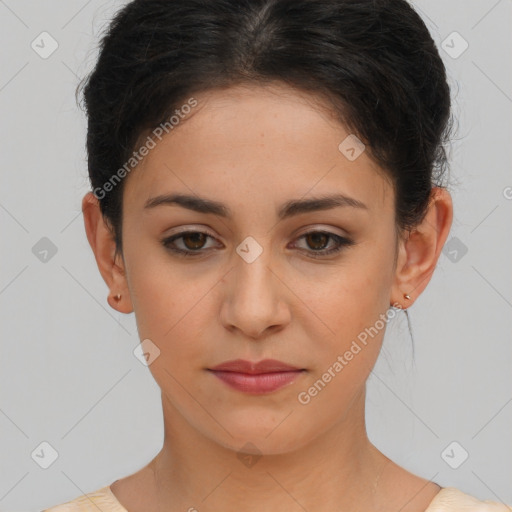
[288, 209]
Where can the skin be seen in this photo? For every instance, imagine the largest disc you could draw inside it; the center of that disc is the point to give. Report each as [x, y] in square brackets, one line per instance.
[253, 149]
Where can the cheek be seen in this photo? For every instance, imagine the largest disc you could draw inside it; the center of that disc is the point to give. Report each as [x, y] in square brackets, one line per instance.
[351, 295]
[167, 302]
[347, 350]
[169, 316]
[345, 309]
[169, 313]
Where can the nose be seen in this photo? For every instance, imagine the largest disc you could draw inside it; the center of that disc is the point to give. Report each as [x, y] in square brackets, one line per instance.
[255, 300]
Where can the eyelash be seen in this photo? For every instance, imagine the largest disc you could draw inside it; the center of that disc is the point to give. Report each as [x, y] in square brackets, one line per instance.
[341, 242]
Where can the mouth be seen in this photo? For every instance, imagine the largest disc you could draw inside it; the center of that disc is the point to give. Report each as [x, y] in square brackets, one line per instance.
[256, 377]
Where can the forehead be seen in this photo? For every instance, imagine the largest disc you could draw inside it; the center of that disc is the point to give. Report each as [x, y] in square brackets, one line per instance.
[244, 145]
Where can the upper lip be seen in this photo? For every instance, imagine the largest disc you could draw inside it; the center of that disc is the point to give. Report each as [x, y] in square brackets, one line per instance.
[264, 366]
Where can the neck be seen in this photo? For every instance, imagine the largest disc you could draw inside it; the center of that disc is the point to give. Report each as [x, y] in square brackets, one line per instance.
[334, 471]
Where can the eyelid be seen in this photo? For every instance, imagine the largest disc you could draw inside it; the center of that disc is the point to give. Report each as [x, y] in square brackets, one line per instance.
[328, 230]
[169, 241]
[341, 242]
[322, 228]
[191, 229]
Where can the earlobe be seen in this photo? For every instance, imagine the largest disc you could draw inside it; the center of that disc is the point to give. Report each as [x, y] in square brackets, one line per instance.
[419, 253]
[102, 243]
[116, 303]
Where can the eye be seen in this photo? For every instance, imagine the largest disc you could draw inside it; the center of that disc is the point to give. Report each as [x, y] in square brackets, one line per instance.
[319, 240]
[193, 242]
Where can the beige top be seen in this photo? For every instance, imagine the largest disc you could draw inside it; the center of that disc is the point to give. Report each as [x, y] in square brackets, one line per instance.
[448, 499]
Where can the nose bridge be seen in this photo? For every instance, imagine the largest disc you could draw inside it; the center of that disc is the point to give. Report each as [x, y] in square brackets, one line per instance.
[254, 303]
[252, 267]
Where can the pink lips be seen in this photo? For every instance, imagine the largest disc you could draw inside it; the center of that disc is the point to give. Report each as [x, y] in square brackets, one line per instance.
[261, 377]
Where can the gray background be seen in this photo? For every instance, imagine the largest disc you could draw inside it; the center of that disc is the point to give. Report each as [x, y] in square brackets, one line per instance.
[68, 374]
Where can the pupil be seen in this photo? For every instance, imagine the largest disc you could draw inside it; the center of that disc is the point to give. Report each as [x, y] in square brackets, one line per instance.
[194, 237]
[316, 237]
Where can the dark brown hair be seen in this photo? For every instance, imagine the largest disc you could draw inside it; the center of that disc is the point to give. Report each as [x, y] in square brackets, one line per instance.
[374, 60]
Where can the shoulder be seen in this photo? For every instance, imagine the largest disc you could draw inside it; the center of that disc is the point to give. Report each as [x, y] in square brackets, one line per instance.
[103, 499]
[451, 499]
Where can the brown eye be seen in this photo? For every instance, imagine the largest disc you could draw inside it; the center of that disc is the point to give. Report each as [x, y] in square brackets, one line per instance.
[317, 240]
[188, 243]
[194, 241]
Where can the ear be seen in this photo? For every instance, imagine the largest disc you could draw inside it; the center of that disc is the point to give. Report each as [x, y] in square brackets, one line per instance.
[101, 240]
[418, 254]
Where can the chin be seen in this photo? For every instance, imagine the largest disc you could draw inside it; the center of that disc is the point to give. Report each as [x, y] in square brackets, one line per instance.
[272, 437]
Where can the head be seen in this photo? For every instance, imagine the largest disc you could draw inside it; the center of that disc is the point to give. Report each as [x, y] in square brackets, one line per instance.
[260, 111]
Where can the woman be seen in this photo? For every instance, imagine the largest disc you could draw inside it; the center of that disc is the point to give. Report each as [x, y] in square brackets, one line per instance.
[266, 190]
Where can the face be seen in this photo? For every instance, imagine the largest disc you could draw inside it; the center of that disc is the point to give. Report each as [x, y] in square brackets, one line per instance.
[267, 280]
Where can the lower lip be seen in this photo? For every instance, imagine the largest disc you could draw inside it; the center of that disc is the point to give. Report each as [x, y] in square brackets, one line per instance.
[259, 383]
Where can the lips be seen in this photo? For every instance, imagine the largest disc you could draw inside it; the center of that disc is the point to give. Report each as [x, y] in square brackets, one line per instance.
[264, 366]
[256, 378]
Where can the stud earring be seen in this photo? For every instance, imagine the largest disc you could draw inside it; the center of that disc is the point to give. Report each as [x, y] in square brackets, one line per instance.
[117, 297]
[408, 297]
